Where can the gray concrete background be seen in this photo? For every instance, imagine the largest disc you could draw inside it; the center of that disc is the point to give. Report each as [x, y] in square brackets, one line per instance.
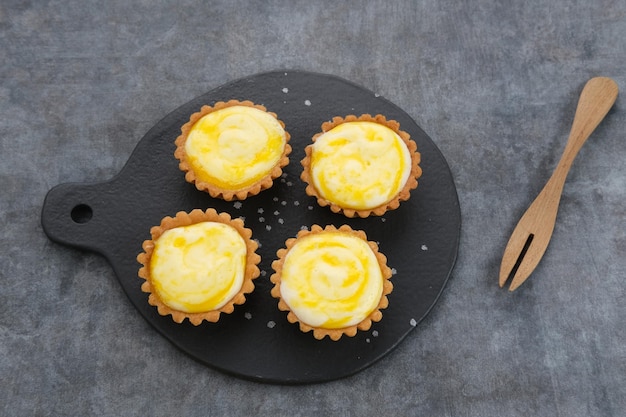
[495, 84]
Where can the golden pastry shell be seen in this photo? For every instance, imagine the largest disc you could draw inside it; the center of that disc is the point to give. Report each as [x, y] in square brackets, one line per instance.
[394, 203]
[318, 332]
[184, 219]
[214, 190]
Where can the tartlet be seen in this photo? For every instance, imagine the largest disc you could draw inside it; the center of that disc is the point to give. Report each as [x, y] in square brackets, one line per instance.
[361, 166]
[233, 149]
[198, 265]
[331, 281]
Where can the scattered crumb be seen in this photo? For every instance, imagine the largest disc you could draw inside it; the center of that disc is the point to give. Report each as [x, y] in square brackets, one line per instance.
[375, 333]
[304, 228]
[285, 90]
[248, 316]
[284, 203]
[260, 210]
[424, 247]
[276, 213]
[296, 203]
[263, 273]
[394, 271]
[268, 227]
[275, 198]
[382, 219]
[367, 340]
[237, 205]
[271, 324]
[307, 102]
[376, 95]
[310, 207]
[289, 183]
[413, 322]
[261, 219]
[281, 221]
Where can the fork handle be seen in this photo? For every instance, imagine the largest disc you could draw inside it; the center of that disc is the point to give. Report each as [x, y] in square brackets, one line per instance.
[594, 103]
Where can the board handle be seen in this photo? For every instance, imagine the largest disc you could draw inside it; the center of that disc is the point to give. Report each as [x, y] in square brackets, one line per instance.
[77, 215]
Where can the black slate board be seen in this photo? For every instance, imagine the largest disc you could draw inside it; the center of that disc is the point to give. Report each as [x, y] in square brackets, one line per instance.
[256, 342]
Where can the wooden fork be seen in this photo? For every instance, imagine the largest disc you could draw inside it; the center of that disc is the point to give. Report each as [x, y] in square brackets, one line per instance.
[532, 234]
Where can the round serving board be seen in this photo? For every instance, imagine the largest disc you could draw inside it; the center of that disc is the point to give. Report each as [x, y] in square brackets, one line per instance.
[420, 239]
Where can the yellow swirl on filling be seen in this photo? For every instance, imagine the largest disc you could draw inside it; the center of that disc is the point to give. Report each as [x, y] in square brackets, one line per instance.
[331, 280]
[235, 147]
[360, 165]
[198, 268]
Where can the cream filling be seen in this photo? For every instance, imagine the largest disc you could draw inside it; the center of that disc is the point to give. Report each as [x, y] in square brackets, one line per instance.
[198, 268]
[331, 280]
[360, 165]
[235, 147]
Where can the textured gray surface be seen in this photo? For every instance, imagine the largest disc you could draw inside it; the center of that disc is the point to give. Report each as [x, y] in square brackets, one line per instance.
[494, 84]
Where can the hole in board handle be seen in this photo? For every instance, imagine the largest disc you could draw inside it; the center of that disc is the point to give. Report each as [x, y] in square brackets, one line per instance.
[81, 213]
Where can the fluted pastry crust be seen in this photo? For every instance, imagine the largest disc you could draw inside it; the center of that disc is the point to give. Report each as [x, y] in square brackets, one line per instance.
[333, 333]
[213, 189]
[394, 202]
[184, 219]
